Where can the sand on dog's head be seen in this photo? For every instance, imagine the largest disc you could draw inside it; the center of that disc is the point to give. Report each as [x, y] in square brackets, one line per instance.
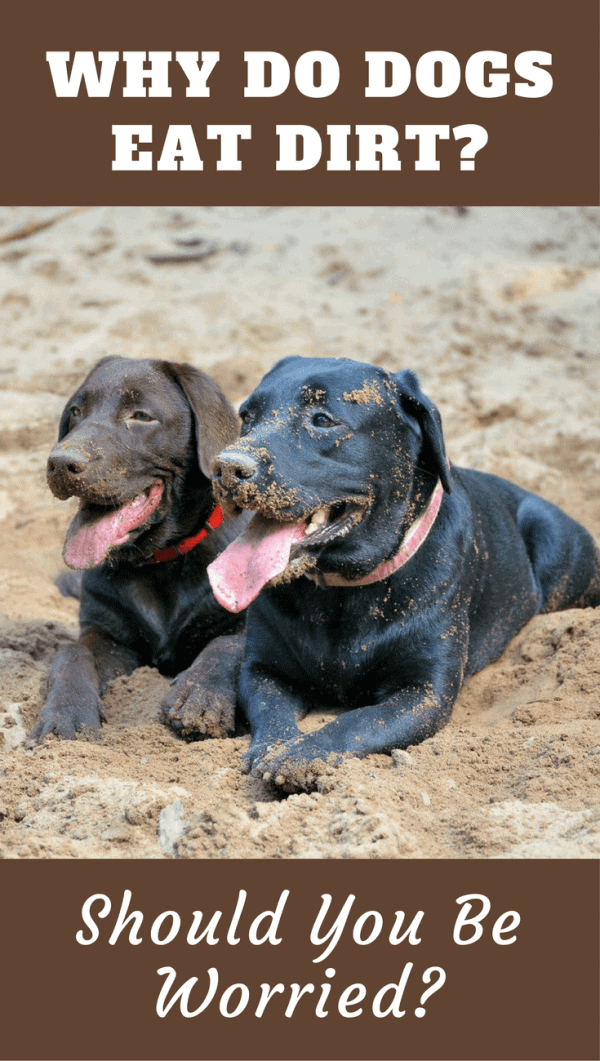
[336, 457]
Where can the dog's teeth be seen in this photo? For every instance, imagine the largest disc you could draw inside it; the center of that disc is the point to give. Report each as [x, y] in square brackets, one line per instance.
[317, 519]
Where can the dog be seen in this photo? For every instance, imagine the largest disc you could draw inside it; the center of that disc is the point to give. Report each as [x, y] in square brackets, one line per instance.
[136, 444]
[378, 577]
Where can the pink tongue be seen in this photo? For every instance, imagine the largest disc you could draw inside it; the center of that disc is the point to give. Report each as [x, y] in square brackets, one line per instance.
[256, 556]
[87, 543]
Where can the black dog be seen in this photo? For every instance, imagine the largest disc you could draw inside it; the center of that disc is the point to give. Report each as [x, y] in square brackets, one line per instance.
[136, 444]
[417, 575]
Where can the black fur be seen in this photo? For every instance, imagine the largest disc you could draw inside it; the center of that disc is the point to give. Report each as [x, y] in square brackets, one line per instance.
[318, 431]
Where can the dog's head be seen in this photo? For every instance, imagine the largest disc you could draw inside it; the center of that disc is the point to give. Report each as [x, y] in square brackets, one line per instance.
[336, 458]
[137, 442]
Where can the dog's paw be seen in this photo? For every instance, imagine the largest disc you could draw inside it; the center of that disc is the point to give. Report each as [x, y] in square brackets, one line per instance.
[201, 701]
[295, 765]
[196, 709]
[68, 720]
[257, 754]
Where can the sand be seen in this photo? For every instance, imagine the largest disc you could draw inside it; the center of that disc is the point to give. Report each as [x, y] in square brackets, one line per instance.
[497, 310]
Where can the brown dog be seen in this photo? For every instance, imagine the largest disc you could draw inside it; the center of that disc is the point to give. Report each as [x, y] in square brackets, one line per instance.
[136, 444]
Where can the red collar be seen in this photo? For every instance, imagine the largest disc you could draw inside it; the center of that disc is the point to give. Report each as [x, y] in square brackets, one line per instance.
[214, 520]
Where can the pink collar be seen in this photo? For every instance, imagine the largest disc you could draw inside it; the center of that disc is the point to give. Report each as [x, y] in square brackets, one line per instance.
[413, 539]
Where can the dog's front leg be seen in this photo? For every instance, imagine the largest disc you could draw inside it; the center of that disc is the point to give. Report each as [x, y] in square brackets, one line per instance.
[202, 699]
[273, 710]
[407, 717]
[77, 677]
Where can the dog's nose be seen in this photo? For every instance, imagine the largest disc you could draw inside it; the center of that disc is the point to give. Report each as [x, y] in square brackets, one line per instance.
[65, 469]
[235, 466]
[69, 460]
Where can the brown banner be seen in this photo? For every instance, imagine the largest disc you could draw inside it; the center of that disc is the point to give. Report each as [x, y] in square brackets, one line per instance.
[489, 960]
[534, 997]
[380, 102]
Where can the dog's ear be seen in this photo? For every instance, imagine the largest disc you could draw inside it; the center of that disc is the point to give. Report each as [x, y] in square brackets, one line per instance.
[420, 408]
[216, 422]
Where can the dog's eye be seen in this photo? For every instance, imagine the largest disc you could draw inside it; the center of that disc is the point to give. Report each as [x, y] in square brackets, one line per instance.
[246, 417]
[140, 415]
[322, 420]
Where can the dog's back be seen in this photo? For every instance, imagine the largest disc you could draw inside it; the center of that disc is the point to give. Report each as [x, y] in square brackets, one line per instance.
[531, 557]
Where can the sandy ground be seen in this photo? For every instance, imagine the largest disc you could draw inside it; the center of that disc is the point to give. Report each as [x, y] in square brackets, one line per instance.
[497, 309]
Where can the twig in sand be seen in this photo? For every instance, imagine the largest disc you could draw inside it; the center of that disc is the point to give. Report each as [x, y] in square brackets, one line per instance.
[32, 227]
[181, 259]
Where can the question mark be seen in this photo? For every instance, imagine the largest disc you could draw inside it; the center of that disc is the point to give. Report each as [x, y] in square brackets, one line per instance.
[441, 980]
[478, 138]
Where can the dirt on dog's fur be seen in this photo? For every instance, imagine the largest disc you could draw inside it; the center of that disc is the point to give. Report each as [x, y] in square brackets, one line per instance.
[497, 310]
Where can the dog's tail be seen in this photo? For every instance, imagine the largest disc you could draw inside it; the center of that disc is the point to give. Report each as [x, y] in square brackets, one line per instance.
[69, 583]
